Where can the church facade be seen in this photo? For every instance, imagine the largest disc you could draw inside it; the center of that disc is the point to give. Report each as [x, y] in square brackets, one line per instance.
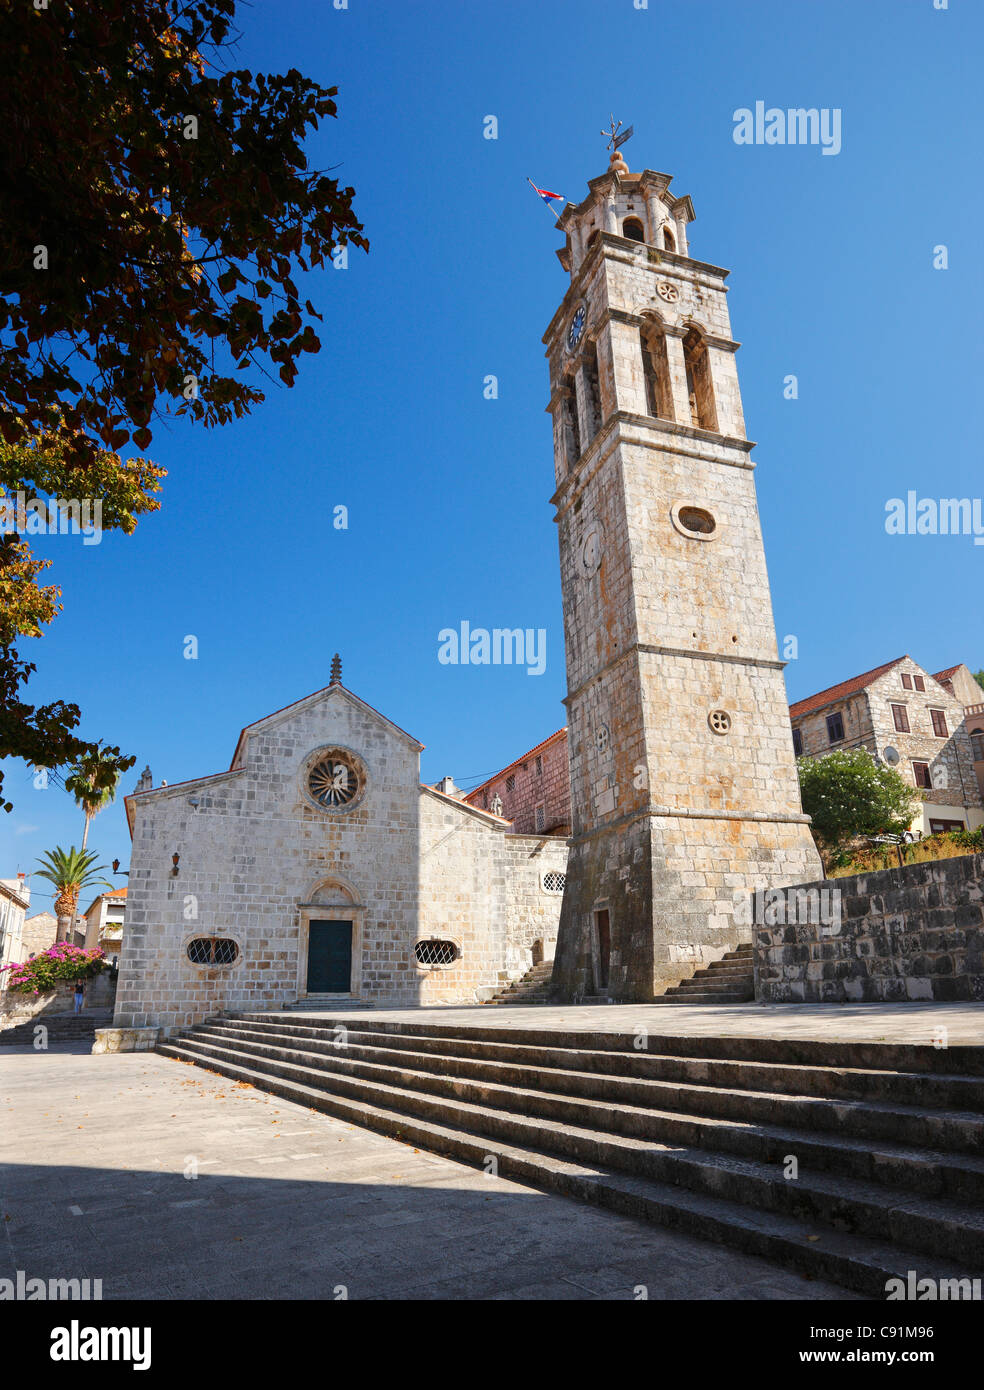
[319, 870]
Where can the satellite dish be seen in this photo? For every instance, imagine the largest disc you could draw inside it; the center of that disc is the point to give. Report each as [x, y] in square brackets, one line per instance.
[892, 755]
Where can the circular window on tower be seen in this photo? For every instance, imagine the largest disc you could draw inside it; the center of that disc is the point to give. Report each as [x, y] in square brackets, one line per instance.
[696, 523]
[336, 779]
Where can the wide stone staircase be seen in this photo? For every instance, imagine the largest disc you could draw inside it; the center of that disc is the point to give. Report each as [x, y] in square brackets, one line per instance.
[61, 1028]
[533, 988]
[849, 1162]
[730, 980]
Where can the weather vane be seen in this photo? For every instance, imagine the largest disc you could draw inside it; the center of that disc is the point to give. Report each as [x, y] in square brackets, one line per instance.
[615, 140]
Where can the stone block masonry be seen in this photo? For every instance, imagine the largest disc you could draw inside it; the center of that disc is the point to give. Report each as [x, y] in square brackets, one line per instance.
[903, 934]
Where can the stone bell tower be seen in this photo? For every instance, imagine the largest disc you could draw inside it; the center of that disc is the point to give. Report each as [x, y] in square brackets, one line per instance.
[683, 779]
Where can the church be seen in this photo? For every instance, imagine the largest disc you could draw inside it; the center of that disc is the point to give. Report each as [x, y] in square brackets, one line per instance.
[318, 871]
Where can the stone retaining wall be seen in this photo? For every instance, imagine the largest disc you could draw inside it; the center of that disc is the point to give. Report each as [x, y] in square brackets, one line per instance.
[912, 933]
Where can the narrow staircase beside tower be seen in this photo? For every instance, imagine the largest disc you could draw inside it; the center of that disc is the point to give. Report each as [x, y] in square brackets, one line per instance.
[534, 988]
[730, 980]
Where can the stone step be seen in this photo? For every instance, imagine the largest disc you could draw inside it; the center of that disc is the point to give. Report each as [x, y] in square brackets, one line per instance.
[951, 1078]
[695, 1193]
[61, 1027]
[640, 1108]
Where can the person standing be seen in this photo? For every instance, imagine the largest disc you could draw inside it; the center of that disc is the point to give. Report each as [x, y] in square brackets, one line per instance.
[79, 996]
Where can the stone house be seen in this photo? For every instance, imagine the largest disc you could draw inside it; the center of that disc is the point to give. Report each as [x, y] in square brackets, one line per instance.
[908, 719]
[103, 921]
[15, 899]
[534, 791]
[318, 869]
[961, 683]
[40, 932]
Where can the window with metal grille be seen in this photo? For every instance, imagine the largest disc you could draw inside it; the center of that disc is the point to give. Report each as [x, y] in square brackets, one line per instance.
[939, 723]
[435, 952]
[901, 717]
[539, 818]
[511, 783]
[553, 882]
[213, 950]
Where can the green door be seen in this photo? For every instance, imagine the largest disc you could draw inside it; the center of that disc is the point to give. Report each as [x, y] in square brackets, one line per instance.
[329, 958]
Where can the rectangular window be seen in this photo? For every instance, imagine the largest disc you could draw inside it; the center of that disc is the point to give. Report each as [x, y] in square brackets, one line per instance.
[920, 772]
[539, 765]
[906, 681]
[936, 827]
[835, 728]
[540, 819]
[511, 783]
[977, 744]
[901, 717]
[939, 723]
[798, 742]
[920, 684]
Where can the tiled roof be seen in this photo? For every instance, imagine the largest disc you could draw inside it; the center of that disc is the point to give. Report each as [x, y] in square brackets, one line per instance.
[509, 766]
[948, 674]
[841, 691]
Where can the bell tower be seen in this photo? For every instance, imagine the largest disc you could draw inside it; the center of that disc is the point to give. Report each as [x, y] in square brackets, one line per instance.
[683, 778]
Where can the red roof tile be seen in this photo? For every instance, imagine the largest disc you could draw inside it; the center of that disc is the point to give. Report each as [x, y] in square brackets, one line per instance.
[841, 691]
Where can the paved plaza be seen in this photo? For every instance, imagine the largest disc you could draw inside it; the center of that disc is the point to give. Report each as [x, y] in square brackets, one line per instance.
[97, 1153]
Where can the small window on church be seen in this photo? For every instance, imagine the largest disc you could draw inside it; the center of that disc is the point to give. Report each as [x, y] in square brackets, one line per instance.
[213, 950]
[669, 241]
[511, 783]
[554, 881]
[592, 388]
[435, 953]
[798, 743]
[539, 818]
[633, 229]
[696, 519]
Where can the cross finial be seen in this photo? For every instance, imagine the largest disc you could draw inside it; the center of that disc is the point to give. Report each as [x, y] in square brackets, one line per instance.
[336, 670]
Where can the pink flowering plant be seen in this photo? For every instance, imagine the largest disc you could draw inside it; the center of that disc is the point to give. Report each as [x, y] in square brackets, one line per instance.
[52, 967]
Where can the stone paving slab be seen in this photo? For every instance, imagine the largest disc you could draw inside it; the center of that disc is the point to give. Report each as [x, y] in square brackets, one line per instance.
[890, 1023]
[290, 1203]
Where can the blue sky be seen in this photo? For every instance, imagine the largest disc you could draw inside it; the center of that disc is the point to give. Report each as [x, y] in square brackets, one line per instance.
[832, 280]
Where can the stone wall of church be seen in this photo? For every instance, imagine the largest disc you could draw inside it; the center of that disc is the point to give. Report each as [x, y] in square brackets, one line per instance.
[255, 848]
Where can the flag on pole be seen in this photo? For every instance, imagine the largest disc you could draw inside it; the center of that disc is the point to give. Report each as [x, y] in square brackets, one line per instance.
[549, 199]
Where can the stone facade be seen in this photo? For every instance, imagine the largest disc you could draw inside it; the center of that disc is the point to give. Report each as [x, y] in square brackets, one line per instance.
[534, 792]
[40, 932]
[259, 860]
[683, 781]
[912, 933]
[15, 899]
[864, 713]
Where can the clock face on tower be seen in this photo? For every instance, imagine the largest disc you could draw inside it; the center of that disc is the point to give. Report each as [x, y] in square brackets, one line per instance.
[591, 548]
[576, 328]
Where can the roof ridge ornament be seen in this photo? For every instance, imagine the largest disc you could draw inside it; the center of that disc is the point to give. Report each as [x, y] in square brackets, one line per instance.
[336, 670]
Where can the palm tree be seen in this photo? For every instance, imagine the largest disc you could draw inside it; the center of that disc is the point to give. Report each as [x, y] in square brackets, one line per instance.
[70, 871]
[93, 782]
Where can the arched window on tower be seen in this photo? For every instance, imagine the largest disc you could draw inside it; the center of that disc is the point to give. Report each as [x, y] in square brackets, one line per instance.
[593, 389]
[669, 240]
[699, 386]
[633, 229]
[572, 432]
[656, 368]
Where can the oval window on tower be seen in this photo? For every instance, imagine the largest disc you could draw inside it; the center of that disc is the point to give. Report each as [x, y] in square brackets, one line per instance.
[696, 523]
